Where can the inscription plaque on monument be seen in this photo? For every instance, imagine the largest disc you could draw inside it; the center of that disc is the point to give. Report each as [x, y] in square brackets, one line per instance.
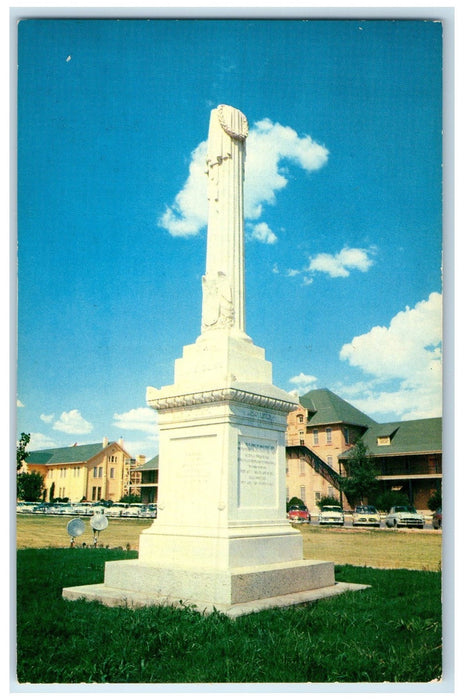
[257, 463]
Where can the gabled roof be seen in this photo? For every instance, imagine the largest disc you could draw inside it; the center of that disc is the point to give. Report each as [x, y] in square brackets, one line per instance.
[66, 455]
[151, 465]
[422, 436]
[327, 408]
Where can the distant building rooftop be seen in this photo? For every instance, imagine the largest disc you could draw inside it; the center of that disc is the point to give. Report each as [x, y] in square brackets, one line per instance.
[325, 408]
[422, 436]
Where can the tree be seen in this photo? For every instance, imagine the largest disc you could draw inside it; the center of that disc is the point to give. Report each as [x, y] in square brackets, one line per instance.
[361, 483]
[29, 486]
[434, 501]
[21, 453]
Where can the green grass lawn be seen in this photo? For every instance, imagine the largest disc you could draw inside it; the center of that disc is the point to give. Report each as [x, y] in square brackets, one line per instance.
[389, 632]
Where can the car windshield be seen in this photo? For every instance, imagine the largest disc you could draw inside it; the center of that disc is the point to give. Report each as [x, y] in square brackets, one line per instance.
[365, 509]
[337, 509]
[405, 509]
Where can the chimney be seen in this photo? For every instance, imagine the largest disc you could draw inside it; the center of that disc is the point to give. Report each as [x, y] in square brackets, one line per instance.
[121, 442]
[105, 442]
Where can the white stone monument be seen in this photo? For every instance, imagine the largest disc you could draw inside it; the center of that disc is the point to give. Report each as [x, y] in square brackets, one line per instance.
[221, 539]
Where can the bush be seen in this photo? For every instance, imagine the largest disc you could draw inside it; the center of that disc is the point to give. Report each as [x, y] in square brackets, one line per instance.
[328, 501]
[434, 501]
[130, 498]
[295, 502]
[388, 499]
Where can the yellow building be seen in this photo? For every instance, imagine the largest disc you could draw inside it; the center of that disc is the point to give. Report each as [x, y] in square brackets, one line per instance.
[91, 472]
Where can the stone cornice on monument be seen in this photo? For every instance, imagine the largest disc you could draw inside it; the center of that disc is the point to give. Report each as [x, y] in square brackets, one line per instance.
[279, 401]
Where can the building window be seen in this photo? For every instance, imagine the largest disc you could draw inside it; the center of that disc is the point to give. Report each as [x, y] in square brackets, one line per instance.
[346, 433]
[330, 460]
[300, 418]
[303, 493]
[330, 492]
[95, 472]
[100, 471]
[96, 493]
[302, 467]
[383, 440]
[112, 473]
[328, 435]
[301, 435]
[317, 497]
[315, 436]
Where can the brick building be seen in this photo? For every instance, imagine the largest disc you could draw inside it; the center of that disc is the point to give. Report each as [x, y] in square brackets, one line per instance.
[324, 428]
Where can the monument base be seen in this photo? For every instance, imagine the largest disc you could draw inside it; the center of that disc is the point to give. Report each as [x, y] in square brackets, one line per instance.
[234, 592]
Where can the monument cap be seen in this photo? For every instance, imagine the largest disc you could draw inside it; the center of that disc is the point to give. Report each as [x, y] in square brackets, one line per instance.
[233, 121]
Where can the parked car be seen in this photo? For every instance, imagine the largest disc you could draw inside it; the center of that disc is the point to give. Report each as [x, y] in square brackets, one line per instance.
[41, 508]
[366, 515]
[133, 510]
[115, 510]
[25, 506]
[60, 509]
[299, 514]
[83, 508]
[149, 511]
[436, 519]
[331, 515]
[404, 516]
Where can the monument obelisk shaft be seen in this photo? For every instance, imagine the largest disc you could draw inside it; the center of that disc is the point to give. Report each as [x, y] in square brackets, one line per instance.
[223, 283]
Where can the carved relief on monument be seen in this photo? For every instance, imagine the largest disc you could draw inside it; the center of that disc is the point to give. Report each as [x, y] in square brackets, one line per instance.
[218, 305]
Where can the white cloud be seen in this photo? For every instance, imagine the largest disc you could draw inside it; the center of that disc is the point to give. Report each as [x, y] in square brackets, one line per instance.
[144, 419]
[303, 383]
[47, 418]
[267, 147]
[262, 233]
[39, 441]
[407, 353]
[340, 264]
[189, 212]
[73, 423]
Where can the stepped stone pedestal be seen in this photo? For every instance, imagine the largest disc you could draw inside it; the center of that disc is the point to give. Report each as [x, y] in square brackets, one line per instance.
[221, 539]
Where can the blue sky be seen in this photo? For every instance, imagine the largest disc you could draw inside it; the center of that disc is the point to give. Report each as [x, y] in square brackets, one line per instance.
[343, 212]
